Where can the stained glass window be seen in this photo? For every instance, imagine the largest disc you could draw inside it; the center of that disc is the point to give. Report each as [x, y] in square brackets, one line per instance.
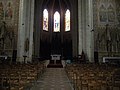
[56, 22]
[45, 20]
[67, 20]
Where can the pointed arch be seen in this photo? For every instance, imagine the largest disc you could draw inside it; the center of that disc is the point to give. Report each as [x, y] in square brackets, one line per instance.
[67, 20]
[45, 20]
[56, 22]
[102, 14]
[111, 13]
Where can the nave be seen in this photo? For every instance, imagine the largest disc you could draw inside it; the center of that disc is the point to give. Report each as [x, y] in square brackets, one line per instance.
[73, 76]
[53, 79]
[33, 76]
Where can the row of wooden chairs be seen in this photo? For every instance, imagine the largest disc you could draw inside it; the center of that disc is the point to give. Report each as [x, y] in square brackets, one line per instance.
[94, 76]
[18, 76]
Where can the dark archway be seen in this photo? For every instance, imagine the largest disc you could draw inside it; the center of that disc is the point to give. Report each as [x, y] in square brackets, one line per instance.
[49, 42]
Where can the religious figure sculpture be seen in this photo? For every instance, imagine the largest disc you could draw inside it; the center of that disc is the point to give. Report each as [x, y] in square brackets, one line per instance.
[9, 12]
[1, 11]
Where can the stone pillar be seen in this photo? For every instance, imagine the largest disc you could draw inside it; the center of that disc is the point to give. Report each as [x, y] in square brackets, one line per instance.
[29, 29]
[85, 27]
[21, 31]
[89, 31]
[74, 27]
[83, 20]
[80, 37]
[82, 26]
[25, 31]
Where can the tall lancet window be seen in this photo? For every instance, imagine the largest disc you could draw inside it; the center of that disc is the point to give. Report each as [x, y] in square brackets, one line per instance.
[45, 20]
[56, 22]
[67, 20]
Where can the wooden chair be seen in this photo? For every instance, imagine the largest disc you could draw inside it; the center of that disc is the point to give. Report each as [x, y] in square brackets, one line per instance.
[17, 76]
[116, 80]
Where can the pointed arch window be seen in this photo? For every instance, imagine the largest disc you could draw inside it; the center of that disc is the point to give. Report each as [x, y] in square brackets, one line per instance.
[45, 20]
[56, 22]
[67, 20]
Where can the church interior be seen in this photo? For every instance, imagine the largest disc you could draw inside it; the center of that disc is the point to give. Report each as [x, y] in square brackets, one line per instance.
[59, 44]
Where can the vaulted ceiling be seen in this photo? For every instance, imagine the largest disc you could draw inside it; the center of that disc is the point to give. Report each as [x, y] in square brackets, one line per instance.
[56, 5]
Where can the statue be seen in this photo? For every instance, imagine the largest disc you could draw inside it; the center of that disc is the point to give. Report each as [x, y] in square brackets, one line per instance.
[2, 34]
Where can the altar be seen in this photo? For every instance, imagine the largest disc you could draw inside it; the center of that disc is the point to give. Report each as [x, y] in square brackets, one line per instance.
[55, 61]
[55, 57]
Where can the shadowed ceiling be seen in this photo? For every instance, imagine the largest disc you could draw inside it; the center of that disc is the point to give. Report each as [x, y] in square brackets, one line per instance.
[56, 5]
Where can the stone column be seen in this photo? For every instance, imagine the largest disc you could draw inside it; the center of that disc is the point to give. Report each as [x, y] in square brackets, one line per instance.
[85, 27]
[89, 31]
[80, 37]
[74, 27]
[25, 32]
[82, 26]
[31, 28]
[84, 20]
[21, 31]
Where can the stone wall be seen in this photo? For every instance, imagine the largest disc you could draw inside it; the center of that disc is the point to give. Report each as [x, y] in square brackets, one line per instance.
[106, 28]
[9, 15]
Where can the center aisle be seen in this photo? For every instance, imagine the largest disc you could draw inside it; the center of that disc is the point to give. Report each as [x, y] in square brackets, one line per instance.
[53, 79]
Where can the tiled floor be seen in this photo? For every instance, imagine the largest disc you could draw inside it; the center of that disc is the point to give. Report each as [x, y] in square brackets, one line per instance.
[53, 79]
